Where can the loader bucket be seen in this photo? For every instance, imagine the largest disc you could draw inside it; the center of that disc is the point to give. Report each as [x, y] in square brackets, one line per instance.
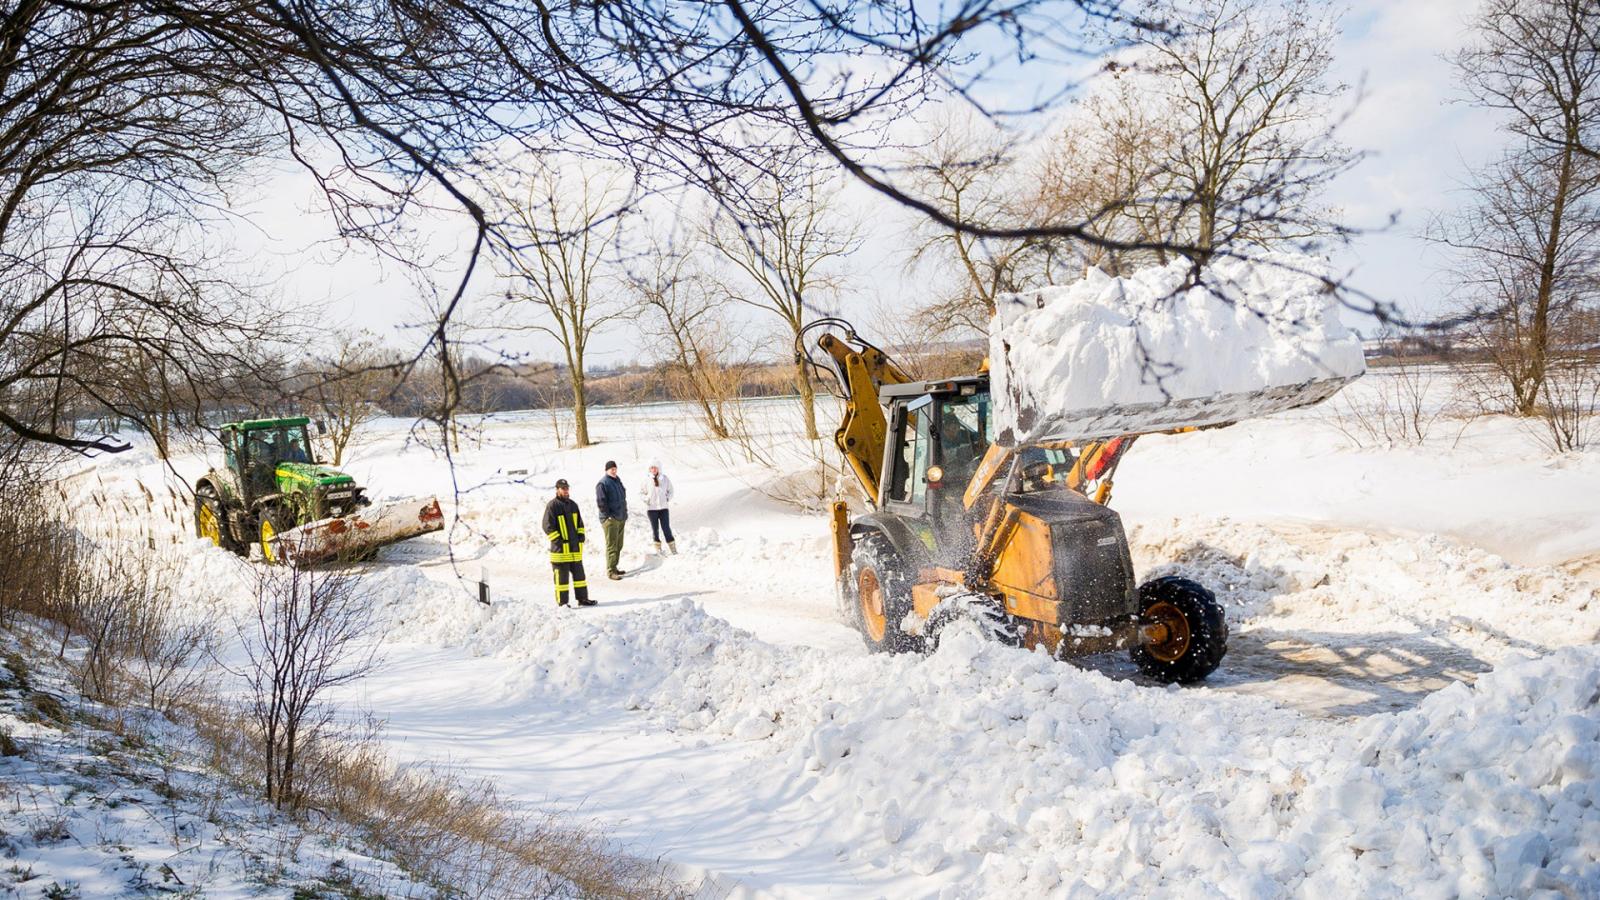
[356, 535]
[1163, 348]
[1102, 422]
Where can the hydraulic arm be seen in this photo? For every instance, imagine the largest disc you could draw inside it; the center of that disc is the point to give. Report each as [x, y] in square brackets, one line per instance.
[861, 369]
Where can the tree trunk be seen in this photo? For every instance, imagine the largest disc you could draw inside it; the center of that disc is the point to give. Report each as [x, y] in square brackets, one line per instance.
[1539, 340]
[286, 785]
[1206, 226]
[808, 399]
[694, 369]
[580, 408]
[717, 431]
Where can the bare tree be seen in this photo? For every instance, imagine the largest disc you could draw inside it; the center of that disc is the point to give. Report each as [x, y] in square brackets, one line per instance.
[787, 246]
[346, 388]
[972, 173]
[567, 223]
[682, 315]
[306, 634]
[1247, 92]
[1108, 168]
[1523, 263]
[1528, 244]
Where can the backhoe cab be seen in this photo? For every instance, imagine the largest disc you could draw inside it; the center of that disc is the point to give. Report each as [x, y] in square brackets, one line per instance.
[271, 492]
[1018, 541]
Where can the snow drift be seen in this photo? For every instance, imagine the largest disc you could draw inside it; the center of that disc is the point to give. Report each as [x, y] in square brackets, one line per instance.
[1150, 351]
[1034, 778]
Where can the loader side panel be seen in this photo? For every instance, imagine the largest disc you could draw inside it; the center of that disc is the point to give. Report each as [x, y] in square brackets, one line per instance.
[1094, 569]
[1023, 570]
[1085, 551]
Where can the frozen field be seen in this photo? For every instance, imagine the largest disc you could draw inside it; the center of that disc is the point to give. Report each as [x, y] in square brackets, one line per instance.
[1408, 705]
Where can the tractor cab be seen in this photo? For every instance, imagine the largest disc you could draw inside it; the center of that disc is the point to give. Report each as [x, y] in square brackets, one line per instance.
[256, 450]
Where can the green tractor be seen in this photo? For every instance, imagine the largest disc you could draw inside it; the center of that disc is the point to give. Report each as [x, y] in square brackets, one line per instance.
[272, 492]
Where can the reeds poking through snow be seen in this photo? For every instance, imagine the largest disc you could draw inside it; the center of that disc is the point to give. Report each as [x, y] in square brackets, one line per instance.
[109, 605]
[113, 605]
[455, 833]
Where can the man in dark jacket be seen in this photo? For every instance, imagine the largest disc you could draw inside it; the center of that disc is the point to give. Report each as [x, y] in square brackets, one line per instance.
[612, 500]
[563, 525]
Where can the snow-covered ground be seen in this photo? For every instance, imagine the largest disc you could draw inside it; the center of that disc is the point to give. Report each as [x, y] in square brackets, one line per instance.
[1408, 706]
[94, 803]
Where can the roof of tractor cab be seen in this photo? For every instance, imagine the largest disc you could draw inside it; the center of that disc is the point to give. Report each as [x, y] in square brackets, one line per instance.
[940, 386]
[258, 424]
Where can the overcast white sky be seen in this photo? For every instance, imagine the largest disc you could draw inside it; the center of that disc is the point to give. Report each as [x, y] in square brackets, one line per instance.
[1420, 146]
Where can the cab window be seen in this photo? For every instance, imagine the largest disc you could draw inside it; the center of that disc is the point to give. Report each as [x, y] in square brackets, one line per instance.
[294, 445]
[964, 428]
[1044, 469]
[905, 460]
[920, 451]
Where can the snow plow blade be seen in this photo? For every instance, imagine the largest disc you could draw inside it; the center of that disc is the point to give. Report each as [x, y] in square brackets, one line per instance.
[356, 535]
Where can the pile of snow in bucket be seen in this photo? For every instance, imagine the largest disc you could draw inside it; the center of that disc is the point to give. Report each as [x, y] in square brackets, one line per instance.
[1149, 351]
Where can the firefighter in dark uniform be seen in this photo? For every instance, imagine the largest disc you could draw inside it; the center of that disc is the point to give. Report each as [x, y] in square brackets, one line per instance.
[563, 525]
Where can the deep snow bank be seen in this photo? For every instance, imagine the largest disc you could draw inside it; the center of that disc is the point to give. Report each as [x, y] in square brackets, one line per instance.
[1108, 355]
[1356, 582]
[1010, 773]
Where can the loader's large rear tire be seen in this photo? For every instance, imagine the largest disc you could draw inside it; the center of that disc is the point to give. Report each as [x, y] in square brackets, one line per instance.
[1195, 632]
[879, 595]
[271, 522]
[211, 520]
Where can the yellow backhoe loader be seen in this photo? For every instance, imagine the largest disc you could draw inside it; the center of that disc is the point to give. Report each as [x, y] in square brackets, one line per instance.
[1018, 540]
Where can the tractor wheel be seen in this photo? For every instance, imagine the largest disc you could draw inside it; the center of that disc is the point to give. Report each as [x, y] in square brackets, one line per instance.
[210, 519]
[272, 522]
[1193, 634]
[982, 610]
[879, 592]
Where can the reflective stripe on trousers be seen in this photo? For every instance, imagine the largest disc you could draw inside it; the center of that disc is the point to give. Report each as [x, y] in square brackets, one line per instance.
[570, 579]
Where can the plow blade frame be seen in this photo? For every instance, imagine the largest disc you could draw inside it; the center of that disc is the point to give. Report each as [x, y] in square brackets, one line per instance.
[353, 536]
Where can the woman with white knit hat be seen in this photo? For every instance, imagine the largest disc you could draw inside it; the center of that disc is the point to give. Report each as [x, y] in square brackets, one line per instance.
[657, 494]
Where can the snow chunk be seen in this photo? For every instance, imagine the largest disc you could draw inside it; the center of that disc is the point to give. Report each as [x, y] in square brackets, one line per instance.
[1148, 351]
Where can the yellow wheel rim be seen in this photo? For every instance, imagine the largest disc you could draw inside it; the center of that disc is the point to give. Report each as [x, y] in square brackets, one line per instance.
[1175, 637]
[873, 616]
[210, 528]
[267, 534]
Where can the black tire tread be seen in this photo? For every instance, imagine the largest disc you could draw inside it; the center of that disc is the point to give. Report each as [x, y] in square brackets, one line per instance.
[875, 551]
[985, 612]
[1207, 624]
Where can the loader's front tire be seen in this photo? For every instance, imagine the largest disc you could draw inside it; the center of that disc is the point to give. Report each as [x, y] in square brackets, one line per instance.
[986, 612]
[272, 522]
[1193, 628]
[879, 597]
